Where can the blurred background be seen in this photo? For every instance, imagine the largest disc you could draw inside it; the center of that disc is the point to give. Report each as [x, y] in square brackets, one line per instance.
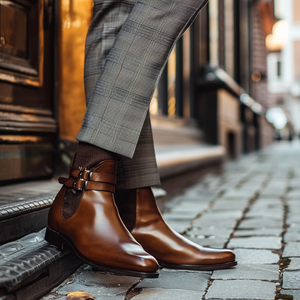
[231, 86]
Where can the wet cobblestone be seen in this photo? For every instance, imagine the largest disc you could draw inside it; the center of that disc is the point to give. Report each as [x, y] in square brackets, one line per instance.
[253, 207]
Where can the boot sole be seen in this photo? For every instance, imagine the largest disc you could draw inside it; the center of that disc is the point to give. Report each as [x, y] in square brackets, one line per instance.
[213, 267]
[62, 242]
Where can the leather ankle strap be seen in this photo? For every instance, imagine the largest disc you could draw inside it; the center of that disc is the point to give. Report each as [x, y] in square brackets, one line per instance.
[93, 176]
[82, 184]
[86, 180]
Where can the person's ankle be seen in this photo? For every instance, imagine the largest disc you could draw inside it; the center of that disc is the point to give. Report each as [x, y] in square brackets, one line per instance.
[88, 155]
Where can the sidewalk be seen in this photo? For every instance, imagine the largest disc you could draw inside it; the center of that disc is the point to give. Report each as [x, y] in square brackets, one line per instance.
[252, 207]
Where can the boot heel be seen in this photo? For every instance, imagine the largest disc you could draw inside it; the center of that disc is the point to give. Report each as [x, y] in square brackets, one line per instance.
[55, 239]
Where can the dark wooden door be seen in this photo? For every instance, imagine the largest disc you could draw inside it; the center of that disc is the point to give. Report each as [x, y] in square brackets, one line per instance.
[27, 123]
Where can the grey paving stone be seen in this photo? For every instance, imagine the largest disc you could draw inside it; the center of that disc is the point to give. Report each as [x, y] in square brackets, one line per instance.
[294, 211]
[217, 219]
[293, 203]
[291, 280]
[295, 294]
[241, 194]
[272, 192]
[210, 232]
[255, 272]
[270, 200]
[292, 236]
[294, 184]
[53, 297]
[267, 203]
[294, 265]
[182, 216]
[207, 238]
[276, 184]
[241, 289]
[266, 242]
[229, 205]
[294, 194]
[260, 223]
[178, 280]
[198, 195]
[255, 256]
[251, 186]
[187, 206]
[295, 227]
[217, 242]
[203, 199]
[178, 225]
[293, 218]
[231, 214]
[292, 198]
[291, 249]
[97, 283]
[271, 214]
[258, 232]
[159, 294]
[206, 222]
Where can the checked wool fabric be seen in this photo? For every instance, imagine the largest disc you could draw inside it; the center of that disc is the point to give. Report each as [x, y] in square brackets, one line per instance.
[127, 47]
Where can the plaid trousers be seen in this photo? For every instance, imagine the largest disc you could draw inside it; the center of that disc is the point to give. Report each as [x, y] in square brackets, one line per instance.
[127, 47]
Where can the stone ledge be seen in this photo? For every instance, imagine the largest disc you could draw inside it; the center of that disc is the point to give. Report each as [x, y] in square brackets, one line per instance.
[179, 159]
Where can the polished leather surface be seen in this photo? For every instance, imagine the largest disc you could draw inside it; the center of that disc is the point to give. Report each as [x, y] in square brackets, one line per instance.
[97, 231]
[166, 245]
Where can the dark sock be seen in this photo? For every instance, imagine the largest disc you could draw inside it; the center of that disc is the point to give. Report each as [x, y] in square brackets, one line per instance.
[126, 203]
[87, 156]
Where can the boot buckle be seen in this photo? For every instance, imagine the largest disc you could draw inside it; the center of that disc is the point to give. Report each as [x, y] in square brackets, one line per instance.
[87, 175]
[75, 184]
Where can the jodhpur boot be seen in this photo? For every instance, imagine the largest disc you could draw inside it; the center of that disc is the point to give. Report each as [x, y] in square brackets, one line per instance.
[95, 232]
[141, 215]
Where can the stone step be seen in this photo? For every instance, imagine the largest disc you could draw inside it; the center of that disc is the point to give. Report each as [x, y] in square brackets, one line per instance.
[24, 208]
[30, 267]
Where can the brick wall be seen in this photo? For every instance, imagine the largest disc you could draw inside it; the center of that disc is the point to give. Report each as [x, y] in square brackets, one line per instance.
[258, 52]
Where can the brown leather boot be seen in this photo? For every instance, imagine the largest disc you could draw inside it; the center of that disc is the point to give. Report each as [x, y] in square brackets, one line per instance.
[171, 249]
[95, 231]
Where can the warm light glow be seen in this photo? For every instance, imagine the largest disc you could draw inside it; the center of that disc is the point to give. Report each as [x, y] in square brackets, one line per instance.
[278, 38]
[171, 107]
[75, 17]
[154, 104]
[277, 116]
[172, 84]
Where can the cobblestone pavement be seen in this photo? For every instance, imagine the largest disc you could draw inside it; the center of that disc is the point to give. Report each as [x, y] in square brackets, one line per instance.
[252, 207]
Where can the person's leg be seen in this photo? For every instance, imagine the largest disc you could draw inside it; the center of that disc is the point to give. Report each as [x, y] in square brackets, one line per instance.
[118, 108]
[141, 170]
[108, 18]
[84, 216]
